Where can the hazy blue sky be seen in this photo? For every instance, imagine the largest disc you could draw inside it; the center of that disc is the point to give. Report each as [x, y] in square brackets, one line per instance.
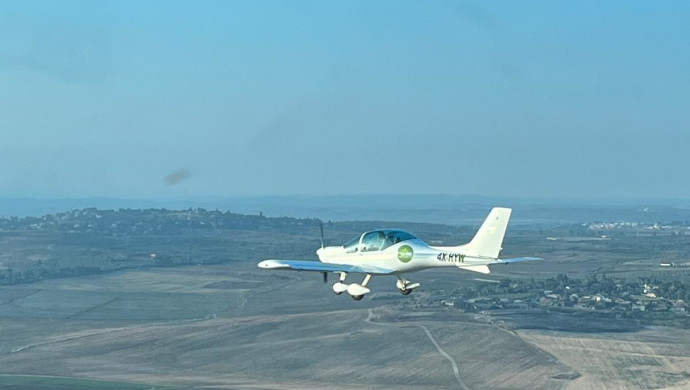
[507, 98]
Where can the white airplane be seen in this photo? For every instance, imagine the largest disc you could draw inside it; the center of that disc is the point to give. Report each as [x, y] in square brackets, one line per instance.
[396, 252]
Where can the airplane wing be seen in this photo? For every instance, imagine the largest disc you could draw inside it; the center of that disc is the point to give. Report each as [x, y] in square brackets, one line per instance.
[317, 266]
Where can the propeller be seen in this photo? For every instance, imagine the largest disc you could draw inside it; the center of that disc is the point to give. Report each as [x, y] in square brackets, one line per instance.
[325, 274]
[321, 227]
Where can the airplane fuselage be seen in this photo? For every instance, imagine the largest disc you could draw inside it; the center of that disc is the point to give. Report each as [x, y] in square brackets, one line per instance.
[408, 256]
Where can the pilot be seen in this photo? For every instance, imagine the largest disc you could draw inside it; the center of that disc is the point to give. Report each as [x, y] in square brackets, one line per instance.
[381, 240]
[386, 240]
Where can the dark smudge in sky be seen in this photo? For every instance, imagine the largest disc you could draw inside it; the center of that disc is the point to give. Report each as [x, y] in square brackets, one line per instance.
[177, 176]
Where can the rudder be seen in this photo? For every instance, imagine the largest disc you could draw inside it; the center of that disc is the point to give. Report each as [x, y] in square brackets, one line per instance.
[489, 238]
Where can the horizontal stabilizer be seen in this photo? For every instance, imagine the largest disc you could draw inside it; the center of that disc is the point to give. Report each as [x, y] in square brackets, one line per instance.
[520, 259]
[482, 269]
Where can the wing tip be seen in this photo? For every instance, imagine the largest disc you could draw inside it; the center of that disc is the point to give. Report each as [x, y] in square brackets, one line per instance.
[272, 264]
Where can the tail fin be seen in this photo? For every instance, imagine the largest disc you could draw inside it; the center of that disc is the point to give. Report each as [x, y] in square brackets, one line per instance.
[489, 238]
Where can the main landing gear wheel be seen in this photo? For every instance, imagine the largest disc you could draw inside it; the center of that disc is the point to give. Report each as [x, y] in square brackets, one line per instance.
[340, 287]
[357, 291]
[405, 286]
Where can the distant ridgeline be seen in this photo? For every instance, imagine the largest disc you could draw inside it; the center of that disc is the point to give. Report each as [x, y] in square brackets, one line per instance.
[456, 210]
[90, 241]
[150, 221]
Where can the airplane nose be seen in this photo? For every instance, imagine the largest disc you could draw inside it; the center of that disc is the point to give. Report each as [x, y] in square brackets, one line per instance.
[319, 252]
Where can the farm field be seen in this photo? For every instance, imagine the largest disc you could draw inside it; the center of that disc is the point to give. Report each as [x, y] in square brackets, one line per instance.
[234, 326]
[655, 358]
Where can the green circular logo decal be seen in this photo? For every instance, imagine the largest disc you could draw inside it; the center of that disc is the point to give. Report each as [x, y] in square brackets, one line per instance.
[405, 253]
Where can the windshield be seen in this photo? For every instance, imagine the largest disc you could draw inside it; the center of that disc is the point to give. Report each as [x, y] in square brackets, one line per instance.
[352, 245]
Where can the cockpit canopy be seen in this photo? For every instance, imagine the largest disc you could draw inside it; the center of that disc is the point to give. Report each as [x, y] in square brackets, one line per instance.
[376, 240]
